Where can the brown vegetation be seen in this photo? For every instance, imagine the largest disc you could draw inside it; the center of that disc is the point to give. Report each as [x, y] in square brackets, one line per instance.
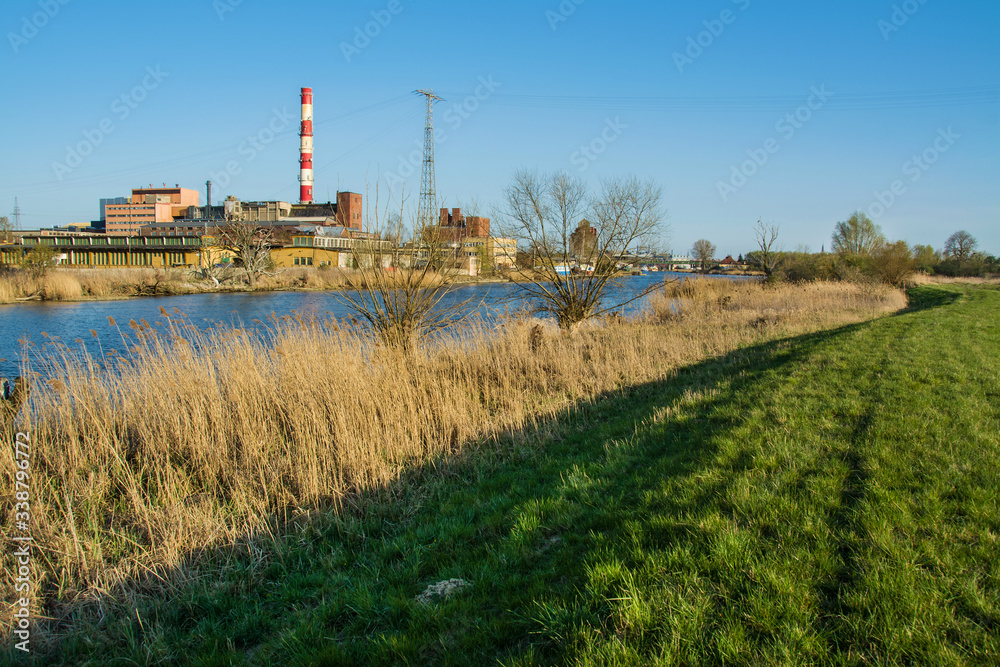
[202, 439]
[97, 284]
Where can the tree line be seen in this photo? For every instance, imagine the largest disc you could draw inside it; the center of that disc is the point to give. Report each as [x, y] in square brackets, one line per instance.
[861, 251]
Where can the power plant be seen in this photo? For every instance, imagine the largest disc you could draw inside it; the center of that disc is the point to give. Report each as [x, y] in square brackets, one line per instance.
[306, 150]
[142, 229]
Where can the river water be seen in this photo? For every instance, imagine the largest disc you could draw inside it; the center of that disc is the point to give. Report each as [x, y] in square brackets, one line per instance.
[28, 329]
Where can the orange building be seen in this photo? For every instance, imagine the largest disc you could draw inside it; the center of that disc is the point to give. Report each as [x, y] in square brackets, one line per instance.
[148, 205]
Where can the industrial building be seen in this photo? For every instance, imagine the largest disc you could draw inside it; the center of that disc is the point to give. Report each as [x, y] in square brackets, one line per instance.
[91, 251]
[454, 227]
[147, 206]
[166, 227]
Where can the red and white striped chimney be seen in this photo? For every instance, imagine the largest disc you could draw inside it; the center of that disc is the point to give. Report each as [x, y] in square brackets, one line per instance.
[306, 157]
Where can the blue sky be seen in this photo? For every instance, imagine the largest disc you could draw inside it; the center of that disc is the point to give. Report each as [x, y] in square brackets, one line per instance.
[695, 95]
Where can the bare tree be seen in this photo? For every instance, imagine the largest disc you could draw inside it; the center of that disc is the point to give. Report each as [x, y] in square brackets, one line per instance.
[251, 245]
[960, 246]
[6, 230]
[766, 257]
[216, 261]
[857, 236]
[542, 212]
[403, 293]
[703, 251]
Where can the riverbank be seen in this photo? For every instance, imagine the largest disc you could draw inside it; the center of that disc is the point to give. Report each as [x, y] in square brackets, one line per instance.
[86, 285]
[202, 441]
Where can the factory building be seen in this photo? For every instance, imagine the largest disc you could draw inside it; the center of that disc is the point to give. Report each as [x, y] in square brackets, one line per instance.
[146, 206]
[106, 251]
[453, 226]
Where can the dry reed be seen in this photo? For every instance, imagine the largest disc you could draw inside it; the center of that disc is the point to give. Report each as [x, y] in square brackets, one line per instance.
[77, 284]
[199, 439]
[922, 279]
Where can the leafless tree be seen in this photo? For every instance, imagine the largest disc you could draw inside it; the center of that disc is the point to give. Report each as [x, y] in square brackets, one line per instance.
[703, 251]
[216, 264]
[403, 292]
[251, 245]
[570, 280]
[6, 230]
[766, 257]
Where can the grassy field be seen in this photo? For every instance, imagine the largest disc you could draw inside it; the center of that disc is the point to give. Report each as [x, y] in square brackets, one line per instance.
[826, 498]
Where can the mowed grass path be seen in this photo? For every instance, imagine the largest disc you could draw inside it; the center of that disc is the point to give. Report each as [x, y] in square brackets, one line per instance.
[826, 499]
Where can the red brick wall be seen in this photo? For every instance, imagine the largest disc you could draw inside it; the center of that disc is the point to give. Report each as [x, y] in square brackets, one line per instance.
[349, 210]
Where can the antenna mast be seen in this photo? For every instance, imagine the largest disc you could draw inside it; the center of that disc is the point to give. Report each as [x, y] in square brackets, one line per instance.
[428, 186]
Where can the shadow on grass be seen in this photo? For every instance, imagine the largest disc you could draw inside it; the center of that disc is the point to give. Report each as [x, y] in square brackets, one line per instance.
[925, 297]
[526, 518]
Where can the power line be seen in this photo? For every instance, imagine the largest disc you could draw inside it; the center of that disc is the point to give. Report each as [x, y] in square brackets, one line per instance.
[840, 101]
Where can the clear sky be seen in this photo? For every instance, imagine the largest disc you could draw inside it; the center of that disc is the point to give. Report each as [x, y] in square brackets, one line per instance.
[103, 96]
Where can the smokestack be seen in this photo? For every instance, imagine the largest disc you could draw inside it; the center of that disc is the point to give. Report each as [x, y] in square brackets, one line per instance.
[306, 157]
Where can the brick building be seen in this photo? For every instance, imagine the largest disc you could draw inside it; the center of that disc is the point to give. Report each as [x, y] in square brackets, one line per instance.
[583, 241]
[453, 227]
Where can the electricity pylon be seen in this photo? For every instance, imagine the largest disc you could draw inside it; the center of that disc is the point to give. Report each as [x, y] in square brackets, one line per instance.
[427, 210]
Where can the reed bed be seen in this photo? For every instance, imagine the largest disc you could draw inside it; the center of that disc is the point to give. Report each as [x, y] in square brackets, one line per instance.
[922, 279]
[78, 284]
[203, 439]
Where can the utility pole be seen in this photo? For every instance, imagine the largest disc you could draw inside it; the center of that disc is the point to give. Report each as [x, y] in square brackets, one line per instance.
[428, 187]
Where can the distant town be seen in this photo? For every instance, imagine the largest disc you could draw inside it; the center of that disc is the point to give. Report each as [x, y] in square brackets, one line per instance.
[168, 227]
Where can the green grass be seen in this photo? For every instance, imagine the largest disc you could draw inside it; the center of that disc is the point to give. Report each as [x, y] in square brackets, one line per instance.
[826, 499]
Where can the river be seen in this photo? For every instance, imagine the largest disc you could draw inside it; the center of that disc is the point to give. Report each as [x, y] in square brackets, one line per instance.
[29, 328]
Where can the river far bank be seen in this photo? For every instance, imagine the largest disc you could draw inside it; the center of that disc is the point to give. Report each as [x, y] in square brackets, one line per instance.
[83, 285]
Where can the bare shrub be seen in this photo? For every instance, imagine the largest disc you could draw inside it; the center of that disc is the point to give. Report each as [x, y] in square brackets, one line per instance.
[543, 212]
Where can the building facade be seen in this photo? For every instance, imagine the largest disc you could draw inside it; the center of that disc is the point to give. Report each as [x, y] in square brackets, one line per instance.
[106, 251]
[147, 206]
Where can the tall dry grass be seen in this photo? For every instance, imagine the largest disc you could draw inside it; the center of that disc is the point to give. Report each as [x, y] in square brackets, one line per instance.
[17, 285]
[922, 279]
[199, 439]
[76, 284]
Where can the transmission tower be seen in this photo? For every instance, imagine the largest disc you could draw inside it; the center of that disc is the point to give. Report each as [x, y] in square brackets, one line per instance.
[17, 215]
[427, 210]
